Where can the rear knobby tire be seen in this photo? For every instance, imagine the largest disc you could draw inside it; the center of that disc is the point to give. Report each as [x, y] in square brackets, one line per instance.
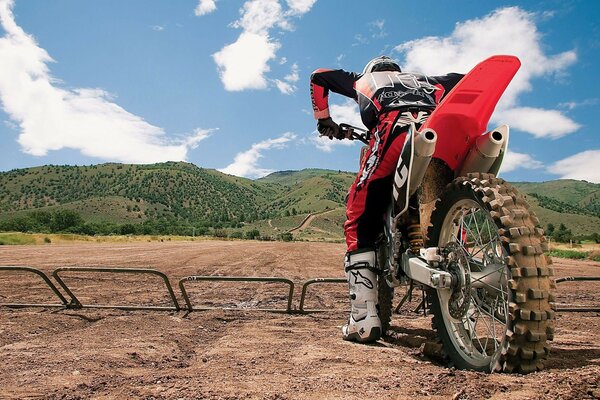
[385, 293]
[528, 321]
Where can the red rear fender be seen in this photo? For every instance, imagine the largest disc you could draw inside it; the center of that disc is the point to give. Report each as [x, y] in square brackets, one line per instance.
[464, 113]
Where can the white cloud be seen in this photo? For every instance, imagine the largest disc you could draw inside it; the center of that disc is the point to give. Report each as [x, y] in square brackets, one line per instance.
[513, 161]
[205, 7]
[299, 7]
[378, 29]
[294, 75]
[346, 113]
[52, 118]
[571, 105]
[508, 30]
[537, 121]
[327, 145]
[286, 86]
[157, 28]
[245, 164]
[258, 16]
[244, 64]
[360, 39]
[198, 136]
[583, 166]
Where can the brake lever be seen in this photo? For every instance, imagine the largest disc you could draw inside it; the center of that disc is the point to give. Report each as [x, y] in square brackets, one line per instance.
[353, 134]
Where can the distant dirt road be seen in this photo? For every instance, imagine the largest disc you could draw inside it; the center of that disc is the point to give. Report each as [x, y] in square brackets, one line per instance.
[108, 354]
[308, 220]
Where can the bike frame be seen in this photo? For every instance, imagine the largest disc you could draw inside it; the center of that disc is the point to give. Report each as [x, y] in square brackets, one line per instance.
[455, 133]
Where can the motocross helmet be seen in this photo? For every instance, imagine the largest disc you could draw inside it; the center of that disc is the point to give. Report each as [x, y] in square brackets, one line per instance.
[381, 63]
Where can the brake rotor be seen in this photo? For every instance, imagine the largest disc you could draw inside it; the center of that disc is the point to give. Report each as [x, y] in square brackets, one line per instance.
[458, 267]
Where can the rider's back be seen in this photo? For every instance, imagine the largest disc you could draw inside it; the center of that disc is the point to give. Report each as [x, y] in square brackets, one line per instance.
[381, 92]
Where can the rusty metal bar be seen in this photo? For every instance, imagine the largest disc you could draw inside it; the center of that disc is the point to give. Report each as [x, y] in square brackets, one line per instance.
[577, 279]
[75, 303]
[64, 302]
[236, 279]
[313, 282]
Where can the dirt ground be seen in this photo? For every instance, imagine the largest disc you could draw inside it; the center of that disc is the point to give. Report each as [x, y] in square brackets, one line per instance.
[243, 354]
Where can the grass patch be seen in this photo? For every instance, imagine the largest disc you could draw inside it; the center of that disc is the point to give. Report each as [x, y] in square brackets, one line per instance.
[572, 254]
[16, 239]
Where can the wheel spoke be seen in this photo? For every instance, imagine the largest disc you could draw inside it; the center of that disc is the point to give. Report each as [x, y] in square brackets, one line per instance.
[481, 329]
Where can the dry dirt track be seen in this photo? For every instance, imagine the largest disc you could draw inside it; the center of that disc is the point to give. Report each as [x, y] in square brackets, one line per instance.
[108, 354]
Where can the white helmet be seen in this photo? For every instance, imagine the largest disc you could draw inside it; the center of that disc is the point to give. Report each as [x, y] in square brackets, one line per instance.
[381, 63]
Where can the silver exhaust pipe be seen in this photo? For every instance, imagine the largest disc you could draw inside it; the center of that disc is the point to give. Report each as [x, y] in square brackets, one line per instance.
[485, 151]
[424, 147]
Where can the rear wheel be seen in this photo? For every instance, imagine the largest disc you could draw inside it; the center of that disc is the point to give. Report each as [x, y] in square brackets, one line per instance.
[498, 316]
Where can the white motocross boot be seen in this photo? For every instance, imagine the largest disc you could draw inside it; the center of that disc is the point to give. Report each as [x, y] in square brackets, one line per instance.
[364, 324]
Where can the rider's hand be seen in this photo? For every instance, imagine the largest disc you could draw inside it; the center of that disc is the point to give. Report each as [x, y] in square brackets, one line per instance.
[327, 127]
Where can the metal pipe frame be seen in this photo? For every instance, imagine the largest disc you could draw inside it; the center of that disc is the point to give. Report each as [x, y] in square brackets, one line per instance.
[577, 279]
[64, 302]
[75, 303]
[194, 278]
[313, 282]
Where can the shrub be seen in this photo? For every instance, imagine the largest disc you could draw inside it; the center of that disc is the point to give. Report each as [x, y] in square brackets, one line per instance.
[286, 237]
[220, 233]
[127, 229]
[563, 234]
[47, 240]
[236, 235]
[572, 254]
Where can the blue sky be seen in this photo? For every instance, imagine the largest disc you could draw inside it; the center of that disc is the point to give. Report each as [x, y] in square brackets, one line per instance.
[224, 83]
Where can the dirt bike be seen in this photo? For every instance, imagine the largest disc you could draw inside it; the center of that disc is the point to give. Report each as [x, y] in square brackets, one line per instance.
[467, 237]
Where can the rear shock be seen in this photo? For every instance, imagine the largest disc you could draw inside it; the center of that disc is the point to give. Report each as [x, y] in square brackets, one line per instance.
[413, 228]
[415, 237]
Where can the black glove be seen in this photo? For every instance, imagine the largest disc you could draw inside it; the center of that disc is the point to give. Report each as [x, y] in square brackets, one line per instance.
[327, 127]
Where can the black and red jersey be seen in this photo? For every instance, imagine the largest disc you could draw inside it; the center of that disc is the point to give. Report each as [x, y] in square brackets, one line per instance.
[379, 92]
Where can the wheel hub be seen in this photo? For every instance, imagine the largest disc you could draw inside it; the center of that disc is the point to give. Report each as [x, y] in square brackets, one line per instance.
[458, 266]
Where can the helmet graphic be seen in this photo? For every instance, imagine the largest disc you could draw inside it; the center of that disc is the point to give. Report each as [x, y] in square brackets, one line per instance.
[381, 63]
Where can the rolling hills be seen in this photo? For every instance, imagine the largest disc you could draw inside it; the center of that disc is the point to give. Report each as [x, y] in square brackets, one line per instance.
[184, 195]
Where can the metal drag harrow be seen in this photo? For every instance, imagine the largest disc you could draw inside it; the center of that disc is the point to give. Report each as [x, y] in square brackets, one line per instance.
[47, 281]
[577, 279]
[75, 303]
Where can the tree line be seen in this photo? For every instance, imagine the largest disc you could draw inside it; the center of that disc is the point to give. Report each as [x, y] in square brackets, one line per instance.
[69, 221]
[563, 234]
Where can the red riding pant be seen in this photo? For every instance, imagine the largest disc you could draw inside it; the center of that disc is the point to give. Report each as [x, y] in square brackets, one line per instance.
[371, 192]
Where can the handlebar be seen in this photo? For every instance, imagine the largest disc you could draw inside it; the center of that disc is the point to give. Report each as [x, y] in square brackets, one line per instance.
[354, 132]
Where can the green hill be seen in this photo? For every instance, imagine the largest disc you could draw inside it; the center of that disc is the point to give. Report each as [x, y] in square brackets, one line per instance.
[575, 204]
[177, 190]
[194, 199]
[565, 195]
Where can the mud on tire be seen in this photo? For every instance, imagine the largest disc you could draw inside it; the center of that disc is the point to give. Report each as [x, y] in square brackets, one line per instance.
[529, 318]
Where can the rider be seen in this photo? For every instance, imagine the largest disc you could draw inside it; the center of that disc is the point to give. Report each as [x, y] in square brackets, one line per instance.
[389, 101]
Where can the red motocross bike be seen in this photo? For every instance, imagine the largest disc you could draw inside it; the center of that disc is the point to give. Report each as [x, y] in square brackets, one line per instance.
[467, 237]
